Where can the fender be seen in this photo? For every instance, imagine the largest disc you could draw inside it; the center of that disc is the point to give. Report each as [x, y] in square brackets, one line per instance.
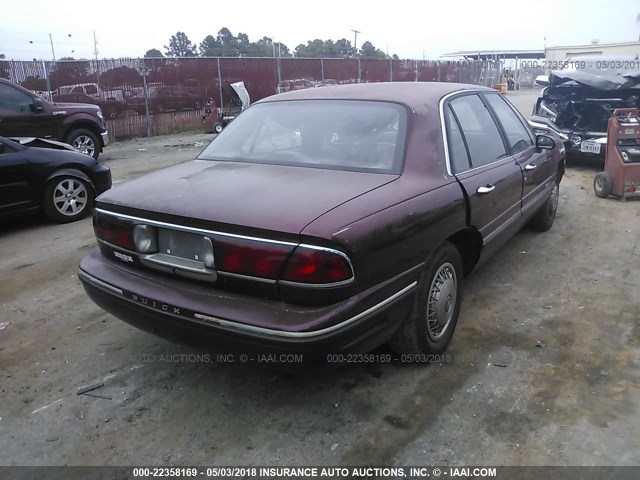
[82, 120]
[71, 172]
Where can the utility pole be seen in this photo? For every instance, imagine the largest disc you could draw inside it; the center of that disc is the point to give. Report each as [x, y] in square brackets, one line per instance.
[355, 40]
[53, 54]
[95, 45]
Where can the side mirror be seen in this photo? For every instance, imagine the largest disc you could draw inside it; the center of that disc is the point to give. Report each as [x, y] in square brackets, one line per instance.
[545, 142]
[542, 80]
[37, 106]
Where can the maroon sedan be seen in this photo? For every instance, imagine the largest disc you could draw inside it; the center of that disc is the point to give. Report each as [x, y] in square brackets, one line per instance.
[326, 220]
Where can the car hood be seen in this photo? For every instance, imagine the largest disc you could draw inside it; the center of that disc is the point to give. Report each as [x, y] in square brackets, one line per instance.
[270, 197]
[57, 106]
[605, 80]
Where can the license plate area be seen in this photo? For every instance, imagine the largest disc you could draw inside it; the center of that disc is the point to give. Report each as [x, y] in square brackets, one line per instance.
[589, 146]
[183, 254]
[189, 246]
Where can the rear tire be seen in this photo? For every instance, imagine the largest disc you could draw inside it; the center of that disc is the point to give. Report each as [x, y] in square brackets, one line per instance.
[543, 219]
[602, 185]
[218, 127]
[434, 315]
[85, 141]
[67, 199]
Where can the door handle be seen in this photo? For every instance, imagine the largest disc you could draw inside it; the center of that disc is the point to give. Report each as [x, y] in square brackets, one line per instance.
[486, 189]
[530, 166]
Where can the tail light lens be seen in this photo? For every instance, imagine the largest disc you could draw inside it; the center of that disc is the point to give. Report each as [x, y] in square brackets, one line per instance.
[250, 257]
[317, 266]
[114, 231]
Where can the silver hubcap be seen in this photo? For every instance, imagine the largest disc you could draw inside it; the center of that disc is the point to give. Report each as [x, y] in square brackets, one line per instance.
[84, 144]
[442, 301]
[599, 184]
[70, 197]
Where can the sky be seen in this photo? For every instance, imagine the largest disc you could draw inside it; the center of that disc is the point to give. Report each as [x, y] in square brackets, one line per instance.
[411, 29]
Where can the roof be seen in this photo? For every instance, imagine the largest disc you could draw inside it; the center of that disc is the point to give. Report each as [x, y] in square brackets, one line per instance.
[485, 54]
[408, 93]
[595, 45]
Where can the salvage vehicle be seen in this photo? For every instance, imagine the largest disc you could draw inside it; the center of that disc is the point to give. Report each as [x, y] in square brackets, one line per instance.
[578, 101]
[60, 182]
[215, 119]
[326, 220]
[23, 114]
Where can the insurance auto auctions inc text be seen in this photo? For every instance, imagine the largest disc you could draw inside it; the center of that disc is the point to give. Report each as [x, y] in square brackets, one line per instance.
[377, 472]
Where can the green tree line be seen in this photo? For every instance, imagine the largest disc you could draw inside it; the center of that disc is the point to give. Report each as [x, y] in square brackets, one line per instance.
[226, 44]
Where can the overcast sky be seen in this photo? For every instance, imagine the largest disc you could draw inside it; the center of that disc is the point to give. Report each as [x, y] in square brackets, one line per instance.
[407, 28]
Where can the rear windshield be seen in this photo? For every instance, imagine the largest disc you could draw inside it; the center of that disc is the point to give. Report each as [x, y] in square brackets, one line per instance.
[334, 134]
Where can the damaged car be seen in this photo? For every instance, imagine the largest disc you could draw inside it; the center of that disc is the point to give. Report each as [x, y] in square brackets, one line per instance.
[577, 102]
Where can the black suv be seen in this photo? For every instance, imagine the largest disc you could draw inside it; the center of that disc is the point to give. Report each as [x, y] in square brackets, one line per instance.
[24, 114]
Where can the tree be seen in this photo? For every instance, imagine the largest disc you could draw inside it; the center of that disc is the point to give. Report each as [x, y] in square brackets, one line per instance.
[327, 49]
[153, 53]
[69, 71]
[180, 46]
[116, 77]
[36, 84]
[369, 51]
[210, 47]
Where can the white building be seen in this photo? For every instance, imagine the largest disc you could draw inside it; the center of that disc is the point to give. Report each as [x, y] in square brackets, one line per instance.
[562, 53]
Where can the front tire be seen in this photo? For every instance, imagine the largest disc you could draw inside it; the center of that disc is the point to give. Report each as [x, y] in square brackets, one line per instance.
[67, 199]
[218, 128]
[85, 141]
[434, 315]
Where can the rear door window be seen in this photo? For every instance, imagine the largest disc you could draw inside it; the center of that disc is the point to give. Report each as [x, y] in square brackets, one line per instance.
[480, 131]
[518, 136]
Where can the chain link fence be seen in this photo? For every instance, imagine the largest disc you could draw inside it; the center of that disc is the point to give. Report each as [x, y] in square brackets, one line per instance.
[155, 96]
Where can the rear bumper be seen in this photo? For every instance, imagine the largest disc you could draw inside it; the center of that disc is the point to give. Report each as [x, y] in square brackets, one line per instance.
[229, 322]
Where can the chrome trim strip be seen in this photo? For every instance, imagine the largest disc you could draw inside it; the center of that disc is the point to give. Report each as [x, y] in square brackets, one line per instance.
[201, 231]
[281, 333]
[99, 283]
[222, 273]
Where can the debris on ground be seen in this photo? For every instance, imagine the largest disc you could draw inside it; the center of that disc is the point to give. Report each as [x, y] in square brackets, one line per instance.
[4, 325]
[334, 447]
[500, 365]
[541, 345]
[89, 388]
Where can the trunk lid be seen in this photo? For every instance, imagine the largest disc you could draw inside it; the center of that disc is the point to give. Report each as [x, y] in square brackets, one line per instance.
[270, 197]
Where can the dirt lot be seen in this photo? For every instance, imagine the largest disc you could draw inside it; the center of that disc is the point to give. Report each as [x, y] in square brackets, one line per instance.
[544, 368]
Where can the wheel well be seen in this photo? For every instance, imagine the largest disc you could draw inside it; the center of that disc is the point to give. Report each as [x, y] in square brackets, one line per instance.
[82, 125]
[469, 243]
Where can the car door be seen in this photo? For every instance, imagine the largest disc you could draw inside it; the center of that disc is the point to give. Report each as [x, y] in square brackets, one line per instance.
[14, 180]
[490, 177]
[537, 166]
[18, 116]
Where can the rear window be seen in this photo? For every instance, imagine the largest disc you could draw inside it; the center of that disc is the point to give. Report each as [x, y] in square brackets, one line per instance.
[334, 134]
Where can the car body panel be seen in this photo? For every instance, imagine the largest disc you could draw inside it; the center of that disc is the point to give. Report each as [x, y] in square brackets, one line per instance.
[387, 225]
[52, 120]
[25, 171]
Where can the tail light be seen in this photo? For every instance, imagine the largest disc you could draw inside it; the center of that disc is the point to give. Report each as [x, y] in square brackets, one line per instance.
[317, 266]
[250, 257]
[114, 231]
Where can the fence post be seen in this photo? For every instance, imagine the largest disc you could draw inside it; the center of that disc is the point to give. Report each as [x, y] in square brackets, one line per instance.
[322, 68]
[391, 69]
[220, 84]
[359, 71]
[48, 80]
[146, 98]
